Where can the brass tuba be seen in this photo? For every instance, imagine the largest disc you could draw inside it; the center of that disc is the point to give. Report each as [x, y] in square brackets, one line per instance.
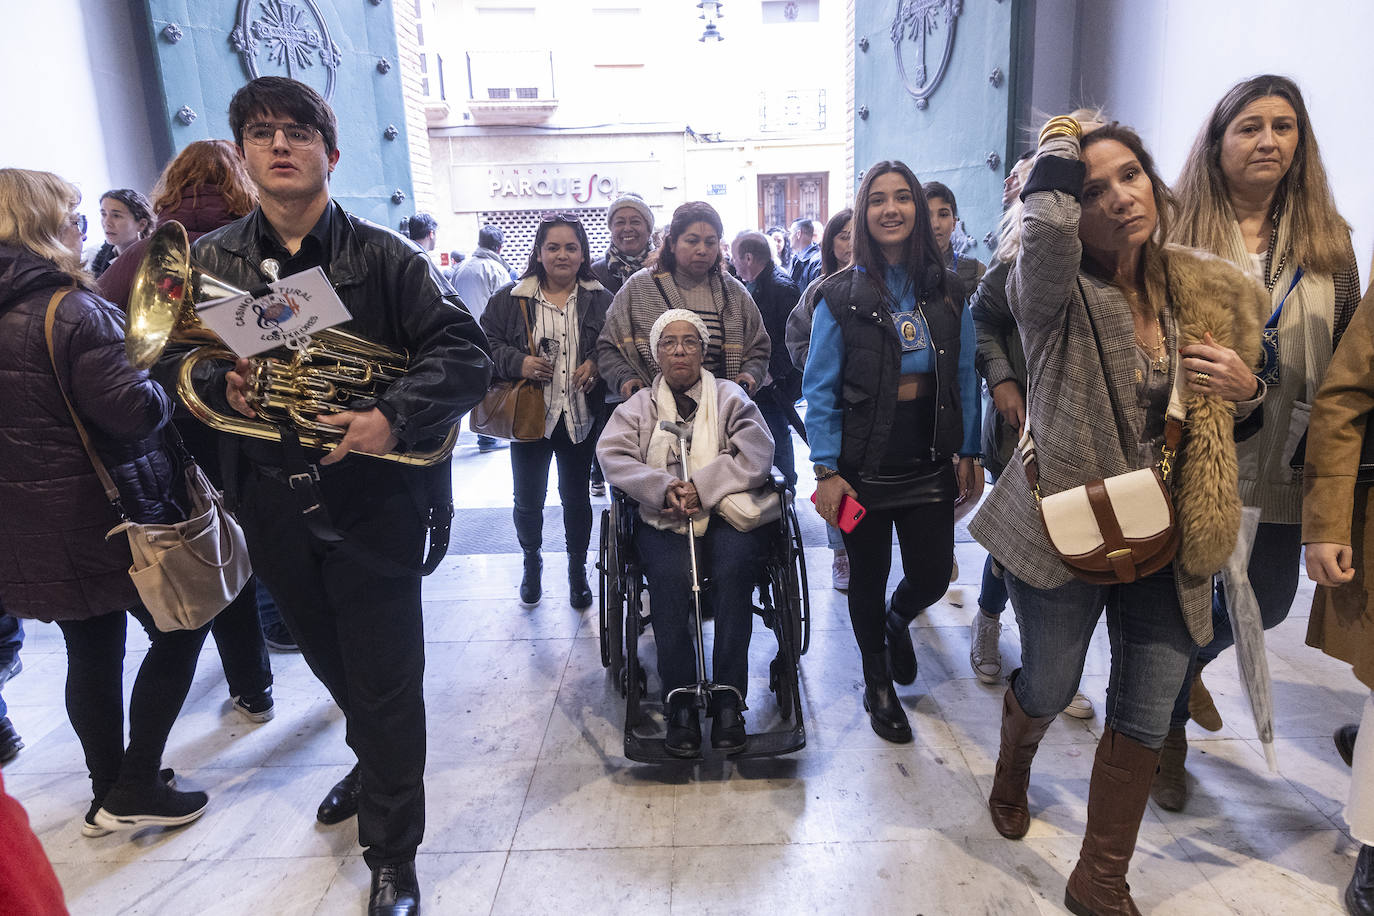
[330, 372]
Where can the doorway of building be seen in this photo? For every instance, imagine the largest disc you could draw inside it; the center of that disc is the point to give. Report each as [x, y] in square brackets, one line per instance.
[784, 198]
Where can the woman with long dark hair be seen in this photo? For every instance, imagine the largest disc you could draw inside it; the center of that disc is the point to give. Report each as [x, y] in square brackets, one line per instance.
[1103, 307]
[545, 328]
[688, 275]
[56, 563]
[891, 396]
[1254, 191]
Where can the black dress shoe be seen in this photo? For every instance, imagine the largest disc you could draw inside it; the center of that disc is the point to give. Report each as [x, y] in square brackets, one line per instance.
[1359, 893]
[901, 654]
[395, 891]
[684, 729]
[579, 592]
[342, 801]
[530, 586]
[1345, 742]
[727, 725]
[885, 712]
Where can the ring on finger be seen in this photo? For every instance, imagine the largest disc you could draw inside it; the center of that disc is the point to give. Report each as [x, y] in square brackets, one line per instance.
[1201, 378]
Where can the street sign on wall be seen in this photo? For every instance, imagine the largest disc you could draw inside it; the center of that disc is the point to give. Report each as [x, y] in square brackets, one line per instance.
[347, 50]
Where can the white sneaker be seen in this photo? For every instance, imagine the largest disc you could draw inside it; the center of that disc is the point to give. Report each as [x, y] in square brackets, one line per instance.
[839, 571]
[1080, 707]
[984, 654]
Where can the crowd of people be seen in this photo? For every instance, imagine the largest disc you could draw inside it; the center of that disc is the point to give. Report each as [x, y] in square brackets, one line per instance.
[1203, 338]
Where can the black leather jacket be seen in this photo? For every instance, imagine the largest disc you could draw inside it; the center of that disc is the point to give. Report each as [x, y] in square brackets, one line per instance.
[397, 298]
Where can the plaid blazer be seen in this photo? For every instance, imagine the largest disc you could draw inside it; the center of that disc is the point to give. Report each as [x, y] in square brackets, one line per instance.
[1082, 406]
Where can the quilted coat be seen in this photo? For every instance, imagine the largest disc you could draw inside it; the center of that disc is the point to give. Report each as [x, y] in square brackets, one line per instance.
[55, 563]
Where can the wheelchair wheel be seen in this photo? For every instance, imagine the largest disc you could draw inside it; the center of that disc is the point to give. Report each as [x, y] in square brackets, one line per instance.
[612, 600]
[801, 592]
[782, 671]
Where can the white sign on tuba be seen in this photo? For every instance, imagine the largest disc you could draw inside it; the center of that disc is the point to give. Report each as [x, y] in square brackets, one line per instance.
[286, 315]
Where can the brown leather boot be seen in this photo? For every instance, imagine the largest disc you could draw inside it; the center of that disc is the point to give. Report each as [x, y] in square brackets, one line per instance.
[1201, 708]
[1122, 772]
[1170, 789]
[1020, 737]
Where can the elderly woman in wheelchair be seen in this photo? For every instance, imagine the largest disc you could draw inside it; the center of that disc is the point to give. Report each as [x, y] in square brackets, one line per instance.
[730, 452]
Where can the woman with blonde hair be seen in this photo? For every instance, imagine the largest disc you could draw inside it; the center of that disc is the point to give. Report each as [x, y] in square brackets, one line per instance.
[55, 562]
[203, 188]
[1253, 190]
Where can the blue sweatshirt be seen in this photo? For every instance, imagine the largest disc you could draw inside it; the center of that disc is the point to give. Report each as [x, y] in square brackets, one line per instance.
[822, 384]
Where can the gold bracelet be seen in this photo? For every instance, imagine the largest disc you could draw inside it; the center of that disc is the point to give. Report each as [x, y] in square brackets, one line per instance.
[1060, 126]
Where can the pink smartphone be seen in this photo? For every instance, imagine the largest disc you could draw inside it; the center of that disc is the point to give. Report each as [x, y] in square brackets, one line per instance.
[851, 513]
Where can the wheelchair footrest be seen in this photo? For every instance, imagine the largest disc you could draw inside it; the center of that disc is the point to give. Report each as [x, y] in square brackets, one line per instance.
[765, 744]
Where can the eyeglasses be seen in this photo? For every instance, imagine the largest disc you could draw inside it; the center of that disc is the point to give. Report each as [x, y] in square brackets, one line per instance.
[78, 222]
[560, 218]
[688, 344]
[299, 136]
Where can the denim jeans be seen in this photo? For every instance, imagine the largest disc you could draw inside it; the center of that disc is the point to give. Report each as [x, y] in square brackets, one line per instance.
[1149, 641]
[529, 464]
[1275, 564]
[992, 597]
[730, 559]
[784, 459]
[11, 638]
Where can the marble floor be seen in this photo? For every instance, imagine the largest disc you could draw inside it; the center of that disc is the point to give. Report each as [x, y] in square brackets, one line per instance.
[532, 808]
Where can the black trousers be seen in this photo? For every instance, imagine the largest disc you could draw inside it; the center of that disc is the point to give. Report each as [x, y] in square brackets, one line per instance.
[926, 536]
[529, 465]
[362, 633]
[95, 694]
[237, 629]
[242, 649]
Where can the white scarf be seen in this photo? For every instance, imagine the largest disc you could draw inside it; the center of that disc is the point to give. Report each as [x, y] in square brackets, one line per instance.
[663, 445]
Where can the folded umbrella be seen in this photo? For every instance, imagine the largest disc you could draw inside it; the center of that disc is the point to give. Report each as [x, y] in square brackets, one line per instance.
[1248, 628]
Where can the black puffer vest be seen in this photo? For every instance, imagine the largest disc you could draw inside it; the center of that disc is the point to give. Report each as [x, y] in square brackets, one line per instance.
[873, 364]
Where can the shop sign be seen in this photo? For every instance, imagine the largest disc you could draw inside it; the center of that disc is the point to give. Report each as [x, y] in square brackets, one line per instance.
[526, 187]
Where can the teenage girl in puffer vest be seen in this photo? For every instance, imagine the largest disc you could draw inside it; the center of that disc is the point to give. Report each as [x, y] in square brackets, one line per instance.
[891, 396]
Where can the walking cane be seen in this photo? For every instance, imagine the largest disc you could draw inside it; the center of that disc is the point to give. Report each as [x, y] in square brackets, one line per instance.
[703, 686]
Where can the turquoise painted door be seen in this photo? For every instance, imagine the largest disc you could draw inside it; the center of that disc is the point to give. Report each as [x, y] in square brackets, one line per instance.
[933, 87]
[207, 49]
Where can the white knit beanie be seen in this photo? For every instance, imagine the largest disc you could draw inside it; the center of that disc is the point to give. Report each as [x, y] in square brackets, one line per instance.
[633, 201]
[668, 318]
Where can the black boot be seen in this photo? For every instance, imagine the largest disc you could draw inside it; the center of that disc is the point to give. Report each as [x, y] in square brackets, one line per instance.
[727, 724]
[579, 592]
[885, 711]
[1359, 893]
[530, 587]
[1345, 742]
[901, 654]
[395, 891]
[684, 727]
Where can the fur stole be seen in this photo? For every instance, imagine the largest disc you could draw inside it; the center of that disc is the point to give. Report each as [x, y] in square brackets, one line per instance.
[1209, 294]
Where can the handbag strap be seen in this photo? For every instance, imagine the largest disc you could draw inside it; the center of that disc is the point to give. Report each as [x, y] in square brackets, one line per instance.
[111, 492]
[1176, 414]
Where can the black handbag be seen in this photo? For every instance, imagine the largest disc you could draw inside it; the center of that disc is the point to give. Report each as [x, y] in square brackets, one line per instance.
[925, 483]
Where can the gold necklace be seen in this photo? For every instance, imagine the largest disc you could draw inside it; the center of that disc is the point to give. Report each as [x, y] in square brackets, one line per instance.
[1159, 352]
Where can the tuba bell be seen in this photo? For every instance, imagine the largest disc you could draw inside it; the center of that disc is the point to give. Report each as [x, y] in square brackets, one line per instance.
[328, 374]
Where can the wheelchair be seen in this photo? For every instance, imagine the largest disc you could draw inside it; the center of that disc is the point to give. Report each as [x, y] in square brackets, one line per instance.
[782, 604]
